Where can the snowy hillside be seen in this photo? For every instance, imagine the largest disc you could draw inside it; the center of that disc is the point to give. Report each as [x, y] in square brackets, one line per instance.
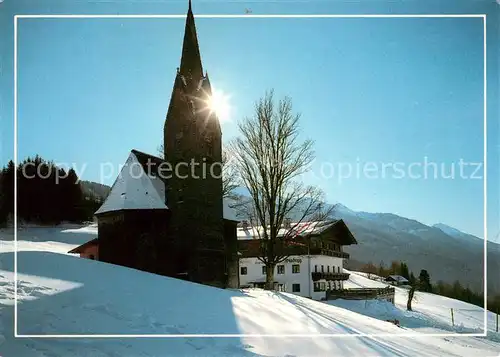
[431, 311]
[63, 294]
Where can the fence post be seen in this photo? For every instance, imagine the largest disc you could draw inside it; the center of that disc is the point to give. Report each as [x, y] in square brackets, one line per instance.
[452, 319]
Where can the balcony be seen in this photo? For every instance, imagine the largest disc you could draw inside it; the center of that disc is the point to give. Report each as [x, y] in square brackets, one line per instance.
[329, 276]
[329, 252]
[362, 294]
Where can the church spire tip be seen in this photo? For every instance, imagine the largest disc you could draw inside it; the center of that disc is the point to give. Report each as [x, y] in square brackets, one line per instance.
[191, 59]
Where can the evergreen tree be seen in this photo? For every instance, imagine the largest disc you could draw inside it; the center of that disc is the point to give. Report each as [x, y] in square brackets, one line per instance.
[403, 271]
[412, 279]
[47, 194]
[424, 281]
[7, 192]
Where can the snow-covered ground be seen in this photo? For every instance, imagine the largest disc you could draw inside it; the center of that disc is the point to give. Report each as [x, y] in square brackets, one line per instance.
[63, 294]
[431, 312]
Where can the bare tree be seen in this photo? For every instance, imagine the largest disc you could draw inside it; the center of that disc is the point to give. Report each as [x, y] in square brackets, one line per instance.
[411, 294]
[270, 158]
[229, 173]
[230, 177]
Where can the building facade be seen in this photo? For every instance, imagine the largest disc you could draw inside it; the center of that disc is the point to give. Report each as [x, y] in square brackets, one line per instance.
[313, 264]
[304, 275]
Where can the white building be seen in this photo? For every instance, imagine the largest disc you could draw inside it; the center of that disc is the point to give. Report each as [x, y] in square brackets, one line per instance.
[313, 264]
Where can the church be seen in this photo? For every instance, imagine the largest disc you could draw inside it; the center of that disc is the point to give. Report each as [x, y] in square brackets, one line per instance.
[168, 216]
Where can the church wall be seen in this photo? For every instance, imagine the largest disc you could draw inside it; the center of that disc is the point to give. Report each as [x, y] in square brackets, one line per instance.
[136, 239]
[194, 196]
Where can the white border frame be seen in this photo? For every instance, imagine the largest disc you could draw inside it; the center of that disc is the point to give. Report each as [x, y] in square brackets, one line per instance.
[250, 16]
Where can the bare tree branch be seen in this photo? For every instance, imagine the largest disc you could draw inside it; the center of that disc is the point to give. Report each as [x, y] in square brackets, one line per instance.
[269, 158]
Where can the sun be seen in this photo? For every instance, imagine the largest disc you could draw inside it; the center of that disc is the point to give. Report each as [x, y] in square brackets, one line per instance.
[218, 103]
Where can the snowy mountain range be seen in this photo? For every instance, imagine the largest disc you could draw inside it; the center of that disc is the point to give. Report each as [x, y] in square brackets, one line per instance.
[445, 252]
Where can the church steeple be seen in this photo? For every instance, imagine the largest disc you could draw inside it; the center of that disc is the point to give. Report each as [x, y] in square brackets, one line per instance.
[191, 59]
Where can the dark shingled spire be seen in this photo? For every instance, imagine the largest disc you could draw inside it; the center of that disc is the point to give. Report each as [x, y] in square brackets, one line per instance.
[191, 60]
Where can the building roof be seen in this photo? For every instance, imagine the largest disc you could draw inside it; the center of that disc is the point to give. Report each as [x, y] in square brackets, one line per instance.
[80, 248]
[136, 187]
[303, 229]
[139, 186]
[398, 278]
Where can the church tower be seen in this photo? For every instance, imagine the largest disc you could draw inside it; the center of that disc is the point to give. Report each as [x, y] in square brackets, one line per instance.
[193, 151]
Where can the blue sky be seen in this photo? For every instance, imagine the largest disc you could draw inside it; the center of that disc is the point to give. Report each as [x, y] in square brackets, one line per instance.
[378, 91]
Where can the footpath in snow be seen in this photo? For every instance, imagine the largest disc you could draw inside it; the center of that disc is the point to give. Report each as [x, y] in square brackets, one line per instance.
[63, 294]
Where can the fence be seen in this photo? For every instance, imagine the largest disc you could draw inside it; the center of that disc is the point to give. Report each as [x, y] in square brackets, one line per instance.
[362, 294]
[453, 311]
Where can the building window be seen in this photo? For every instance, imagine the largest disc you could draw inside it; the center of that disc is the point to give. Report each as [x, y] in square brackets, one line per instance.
[264, 270]
[296, 269]
[243, 270]
[281, 269]
[316, 287]
[296, 288]
[281, 287]
[322, 269]
[338, 269]
[315, 268]
[327, 268]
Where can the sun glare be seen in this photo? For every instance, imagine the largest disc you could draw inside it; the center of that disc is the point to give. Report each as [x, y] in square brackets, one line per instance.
[219, 104]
